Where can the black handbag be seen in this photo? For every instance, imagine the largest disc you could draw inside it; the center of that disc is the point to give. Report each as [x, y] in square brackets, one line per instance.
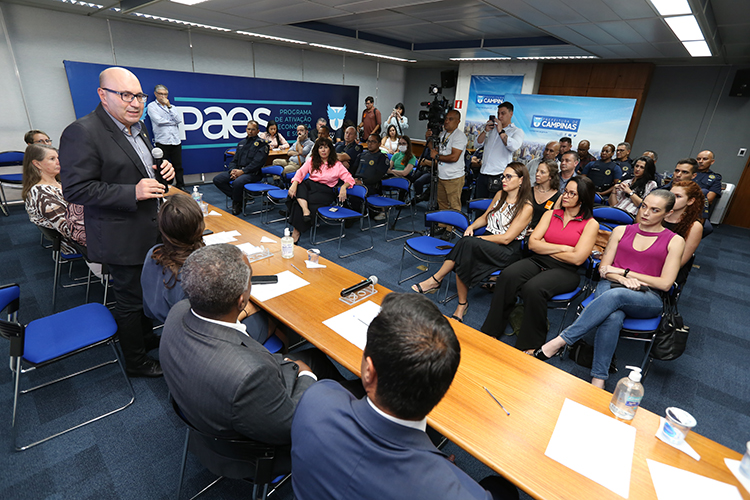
[583, 354]
[671, 338]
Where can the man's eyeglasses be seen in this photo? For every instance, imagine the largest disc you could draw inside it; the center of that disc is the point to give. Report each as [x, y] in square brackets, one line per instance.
[43, 141]
[128, 96]
[570, 193]
[372, 140]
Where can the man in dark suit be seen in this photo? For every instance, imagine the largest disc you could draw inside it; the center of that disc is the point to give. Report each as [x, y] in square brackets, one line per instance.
[244, 168]
[106, 166]
[226, 383]
[377, 447]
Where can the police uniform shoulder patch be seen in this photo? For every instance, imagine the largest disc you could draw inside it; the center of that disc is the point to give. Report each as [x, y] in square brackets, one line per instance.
[256, 144]
[607, 172]
[712, 177]
[372, 162]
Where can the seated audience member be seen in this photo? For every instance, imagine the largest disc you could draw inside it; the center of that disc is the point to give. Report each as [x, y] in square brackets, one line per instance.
[349, 149]
[566, 144]
[377, 447]
[36, 137]
[549, 153]
[272, 136]
[568, 167]
[226, 383]
[298, 152]
[43, 197]
[710, 182]
[373, 165]
[315, 132]
[623, 160]
[338, 135]
[686, 221]
[640, 261]
[562, 241]
[423, 176]
[244, 168]
[475, 161]
[307, 195]
[604, 173]
[651, 154]
[397, 119]
[685, 170]
[474, 258]
[181, 227]
[584, 157]
[389, 144]
[545, 194]
[404, 161]
[629, 194]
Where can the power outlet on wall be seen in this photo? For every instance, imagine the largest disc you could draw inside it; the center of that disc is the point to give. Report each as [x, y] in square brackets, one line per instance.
[742, 152]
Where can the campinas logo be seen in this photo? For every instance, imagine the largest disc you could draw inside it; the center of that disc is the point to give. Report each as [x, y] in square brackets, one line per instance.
[490, 99]
[555, 123]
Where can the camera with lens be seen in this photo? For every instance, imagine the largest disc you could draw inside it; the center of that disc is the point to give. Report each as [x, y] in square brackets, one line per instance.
[436, 110]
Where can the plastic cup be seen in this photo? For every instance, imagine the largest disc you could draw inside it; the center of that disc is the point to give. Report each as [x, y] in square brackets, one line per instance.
[204, 208]
[678, 425]
[745, 464]
[313, 255]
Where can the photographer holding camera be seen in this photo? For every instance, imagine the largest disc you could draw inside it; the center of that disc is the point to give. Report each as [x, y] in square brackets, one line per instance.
[500, 139]
[450, 158]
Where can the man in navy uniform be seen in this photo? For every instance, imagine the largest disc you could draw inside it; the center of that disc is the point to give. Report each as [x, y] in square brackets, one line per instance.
[604, 173]
[623, 160]
[710, 182]
[244, 168]
[373, 165]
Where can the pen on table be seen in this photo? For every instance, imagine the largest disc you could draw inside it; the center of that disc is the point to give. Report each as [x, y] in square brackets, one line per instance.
[298, 269]
[496, 401]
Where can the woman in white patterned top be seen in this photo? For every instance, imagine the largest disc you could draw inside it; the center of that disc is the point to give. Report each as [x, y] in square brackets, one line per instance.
[42, 193]
[474, 258]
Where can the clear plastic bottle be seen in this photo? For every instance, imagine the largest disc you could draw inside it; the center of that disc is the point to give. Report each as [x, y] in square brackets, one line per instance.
[197, 195]
[628, 395]
[745, 464]
[287, 245]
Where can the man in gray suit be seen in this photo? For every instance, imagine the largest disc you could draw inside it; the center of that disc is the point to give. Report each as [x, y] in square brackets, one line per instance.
[226, 383]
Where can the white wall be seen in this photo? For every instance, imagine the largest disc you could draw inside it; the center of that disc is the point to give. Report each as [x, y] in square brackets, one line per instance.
[41, 39]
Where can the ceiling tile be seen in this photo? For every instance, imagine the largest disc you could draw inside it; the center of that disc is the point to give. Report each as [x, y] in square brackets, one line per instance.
[673, 50]
[653, 30]
[622, 31]
[568, 35]
[631, 9]
[450, 10]
[279, 12]
[728, 12]
[525, 12]
[594, 33]
[594, 10]
[561, 12]
[600, 50]
[735, 34]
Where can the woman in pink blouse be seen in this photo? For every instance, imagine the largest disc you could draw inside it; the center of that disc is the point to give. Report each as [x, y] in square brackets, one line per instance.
[316, 191]
[272, 136]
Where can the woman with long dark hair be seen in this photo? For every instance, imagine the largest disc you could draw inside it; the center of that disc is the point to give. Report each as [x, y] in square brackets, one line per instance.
[640, 261]
[561, 242]
[307, 195]
[629, 194]
[404, 160]
[390, 140]
[272, 136]
[474, 258]
[546, 192]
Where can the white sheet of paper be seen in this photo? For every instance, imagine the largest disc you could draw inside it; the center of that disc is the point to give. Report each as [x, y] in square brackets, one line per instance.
[288, 281]
[214, 212]
[249, 248]
[672, 483]
[734, 468]
[216, 238]
[583, 436]
[683, 446]
[232, 233]
[352, 325]
[266, 239]
[314, 265]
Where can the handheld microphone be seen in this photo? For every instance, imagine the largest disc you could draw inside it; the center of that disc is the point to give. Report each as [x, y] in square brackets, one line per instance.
[372, 280]
[158, 155]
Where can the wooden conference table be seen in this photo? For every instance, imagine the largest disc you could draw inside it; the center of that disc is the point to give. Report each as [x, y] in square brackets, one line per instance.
[531, 390]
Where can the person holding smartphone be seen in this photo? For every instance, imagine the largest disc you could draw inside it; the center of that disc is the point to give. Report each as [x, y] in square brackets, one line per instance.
[501, 139]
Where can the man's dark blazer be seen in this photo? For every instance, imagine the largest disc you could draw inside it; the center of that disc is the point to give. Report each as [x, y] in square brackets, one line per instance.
[226, 383]
[342, 449]
[99, 170]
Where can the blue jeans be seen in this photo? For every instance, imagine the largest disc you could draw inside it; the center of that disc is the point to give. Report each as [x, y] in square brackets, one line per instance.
[606, 313]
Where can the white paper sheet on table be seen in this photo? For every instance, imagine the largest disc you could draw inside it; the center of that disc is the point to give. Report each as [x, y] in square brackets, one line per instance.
[222, 237]
[672, 483]
[214, 212]
[734, 468]
[288, 281]
[249, 248]
[594, 445]
[682, 446]
[266, 239]
[314, 265]
[352, 325]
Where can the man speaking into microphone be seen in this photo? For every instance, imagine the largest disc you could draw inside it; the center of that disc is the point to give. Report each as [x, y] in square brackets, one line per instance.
[106, 166]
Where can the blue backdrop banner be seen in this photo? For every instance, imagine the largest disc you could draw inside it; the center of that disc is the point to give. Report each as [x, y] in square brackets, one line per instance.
[485, 93]
[216, 108]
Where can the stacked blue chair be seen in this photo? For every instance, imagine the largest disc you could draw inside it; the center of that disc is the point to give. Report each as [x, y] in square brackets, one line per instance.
[335, 215]
[8, 160]
[48, 340]
[402, 188]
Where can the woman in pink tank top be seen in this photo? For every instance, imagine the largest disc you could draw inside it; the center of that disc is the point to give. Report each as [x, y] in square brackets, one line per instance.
[640, 261]
[561, 242]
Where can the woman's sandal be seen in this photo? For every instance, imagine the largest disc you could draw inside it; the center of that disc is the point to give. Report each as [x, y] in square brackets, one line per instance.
[539, 354]
[418, 288]
[461, 320]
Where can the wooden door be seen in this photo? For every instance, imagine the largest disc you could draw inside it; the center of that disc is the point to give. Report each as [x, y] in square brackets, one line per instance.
[738, 213]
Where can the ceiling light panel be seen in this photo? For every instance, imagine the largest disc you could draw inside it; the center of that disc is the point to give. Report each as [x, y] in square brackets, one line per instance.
[698, 48]
[672, 7]
[189, 2]
[685, 27]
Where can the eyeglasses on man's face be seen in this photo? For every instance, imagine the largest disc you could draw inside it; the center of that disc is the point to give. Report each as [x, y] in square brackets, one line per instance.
[43, 141]
[128, 96]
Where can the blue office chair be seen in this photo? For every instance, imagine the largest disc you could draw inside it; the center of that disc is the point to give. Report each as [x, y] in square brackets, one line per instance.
[598, 200]
[564, 300]
[339, 215]
[59, 257]
[51, 339]
[425, 248]
[10, 299]
[9, 160]
[261, 188]
[228, 155]
[612, 216]
[479, 205]
[232, 458]
[401, 188]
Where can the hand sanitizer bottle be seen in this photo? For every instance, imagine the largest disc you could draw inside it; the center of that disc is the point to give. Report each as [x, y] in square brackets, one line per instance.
[197, 196]
[628, 395]
[287, 245]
